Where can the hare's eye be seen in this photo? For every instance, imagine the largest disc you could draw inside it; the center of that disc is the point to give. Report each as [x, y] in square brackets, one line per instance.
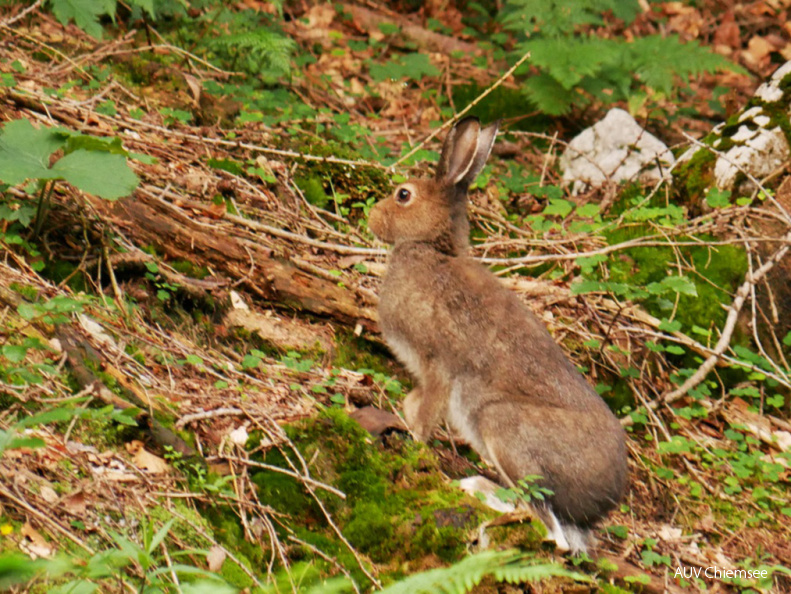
[403, 195]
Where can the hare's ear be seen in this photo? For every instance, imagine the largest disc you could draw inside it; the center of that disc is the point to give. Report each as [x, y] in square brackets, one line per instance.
[458, 152]
[486, 140]
[466, 149]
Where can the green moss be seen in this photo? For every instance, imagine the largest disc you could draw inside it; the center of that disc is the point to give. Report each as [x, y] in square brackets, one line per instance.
[355, 352]
[235, 575]
[526, 534]
[133, 351]
[29, 292]
[313, 189]
[188, 268]
[58, 270]
[398, 508]
[696, 176]
[719, 271]
[325, 181]
[778, 114]
[371, 530]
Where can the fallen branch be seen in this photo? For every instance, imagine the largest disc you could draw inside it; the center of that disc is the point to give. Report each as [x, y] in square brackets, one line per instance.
[369, 21]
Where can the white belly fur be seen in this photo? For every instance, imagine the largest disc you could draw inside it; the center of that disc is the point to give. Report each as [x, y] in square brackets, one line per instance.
[459, 418]
[406, 354]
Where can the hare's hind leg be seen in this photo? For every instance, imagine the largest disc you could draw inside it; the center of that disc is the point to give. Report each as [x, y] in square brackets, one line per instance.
[556, 531]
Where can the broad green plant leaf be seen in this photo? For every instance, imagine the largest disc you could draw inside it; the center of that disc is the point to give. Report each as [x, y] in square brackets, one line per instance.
[93, 165]
[104, 174]
[25, 151]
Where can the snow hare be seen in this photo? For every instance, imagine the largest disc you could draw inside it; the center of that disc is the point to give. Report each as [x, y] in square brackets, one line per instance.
[482, 361]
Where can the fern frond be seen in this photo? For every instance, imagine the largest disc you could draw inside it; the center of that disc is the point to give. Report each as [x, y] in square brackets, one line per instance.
[561, 17]
[657, 60]
[264, 51]
[510, 566]
[85, 13]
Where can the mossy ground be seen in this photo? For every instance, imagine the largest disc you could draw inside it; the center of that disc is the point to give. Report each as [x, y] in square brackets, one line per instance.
[399, 511]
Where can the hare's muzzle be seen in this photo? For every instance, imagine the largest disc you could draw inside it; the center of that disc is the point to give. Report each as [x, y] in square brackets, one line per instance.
[379, 222]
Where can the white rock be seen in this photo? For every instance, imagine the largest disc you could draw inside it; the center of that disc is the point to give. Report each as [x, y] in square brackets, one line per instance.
[759, 156]
[743, 134]
[770, 91]
[747, 115]
[615, 149]
[757, 152]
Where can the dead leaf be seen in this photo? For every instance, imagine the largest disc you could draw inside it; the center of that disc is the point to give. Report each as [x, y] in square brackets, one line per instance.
[669, 533]
[37, 545]
[237, 301]
[48, 494]
[757, 52]
[216, 558]
[76, 503]
[146, 460]
[728, 33]
[194, 85]
[349, 261]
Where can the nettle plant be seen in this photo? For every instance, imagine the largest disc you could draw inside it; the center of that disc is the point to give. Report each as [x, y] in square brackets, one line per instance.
[94, 165]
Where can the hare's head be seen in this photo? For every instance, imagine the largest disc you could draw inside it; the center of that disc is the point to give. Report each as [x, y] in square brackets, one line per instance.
[435, 209]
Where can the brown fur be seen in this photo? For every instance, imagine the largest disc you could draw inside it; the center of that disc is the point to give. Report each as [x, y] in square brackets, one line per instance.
[481, 359]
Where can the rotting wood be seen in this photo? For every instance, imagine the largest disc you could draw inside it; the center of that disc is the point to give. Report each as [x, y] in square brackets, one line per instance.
[269, 277]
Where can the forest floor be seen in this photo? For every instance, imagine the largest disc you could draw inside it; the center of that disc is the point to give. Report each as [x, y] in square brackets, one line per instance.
[191, 376]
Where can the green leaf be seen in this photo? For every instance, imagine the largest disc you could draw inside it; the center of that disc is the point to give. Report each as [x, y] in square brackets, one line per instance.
[620, 531]
[193, 359]
[250, 362]
[717, 198]
[589, 210]
[670, 326]
[413, 66]
[51, 416]
[25, 152]
[104, 174]
[14, 353]
[226, 165]
[160, 535]
[27, 311]
[548, 94]
[570, 59]
[126, 416]
[147, 5]
[94, 143]
[559, 207]
[587, 286]
[681, 284]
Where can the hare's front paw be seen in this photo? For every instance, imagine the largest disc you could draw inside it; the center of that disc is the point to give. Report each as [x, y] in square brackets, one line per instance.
[424, 409]
[412, 405]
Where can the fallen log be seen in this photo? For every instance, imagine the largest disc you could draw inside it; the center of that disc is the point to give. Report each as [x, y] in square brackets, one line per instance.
[272, 278]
